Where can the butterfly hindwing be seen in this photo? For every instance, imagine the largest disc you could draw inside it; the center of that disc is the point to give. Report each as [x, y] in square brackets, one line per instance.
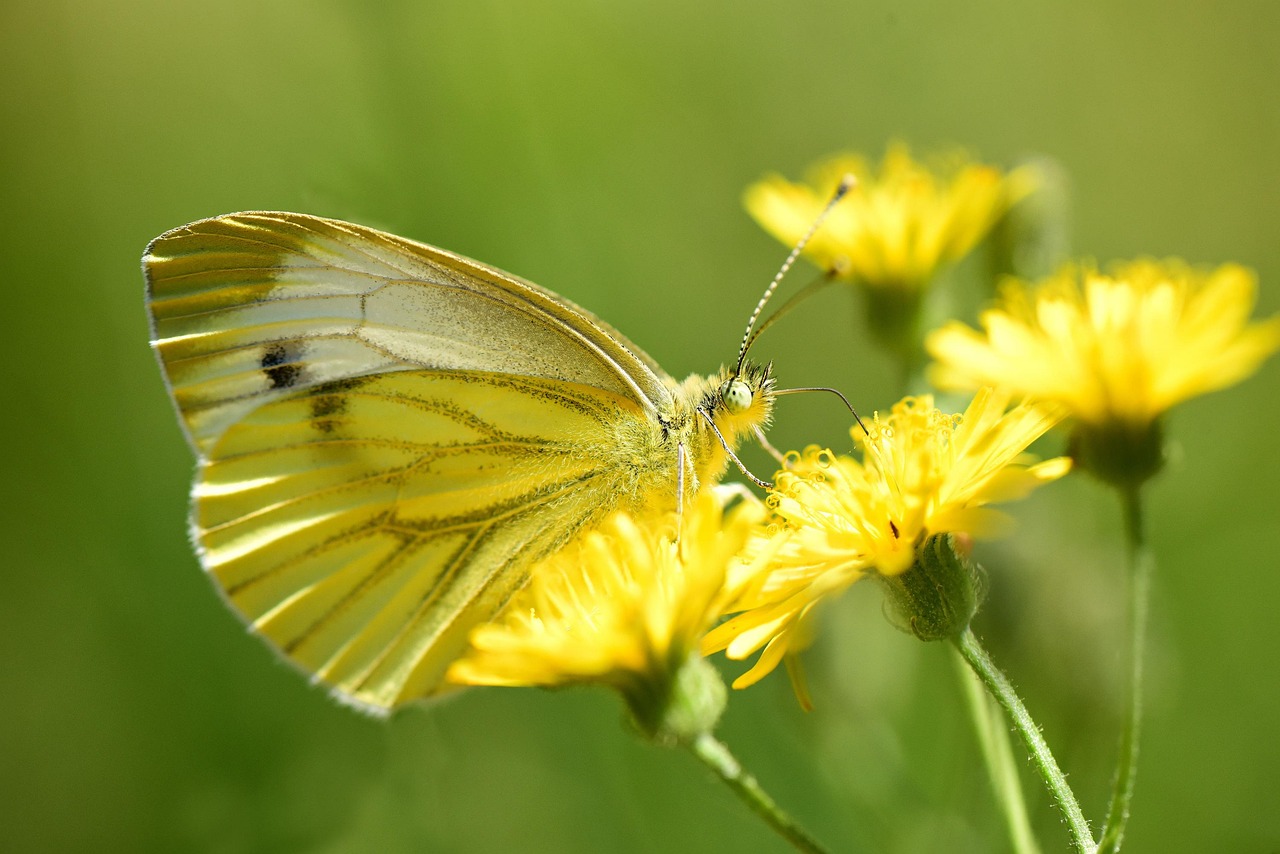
[363, 526]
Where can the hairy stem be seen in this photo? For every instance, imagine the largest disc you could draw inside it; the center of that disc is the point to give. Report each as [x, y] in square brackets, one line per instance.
[717, 757]
[997, 754]
[1141, 565]
[1000, 688]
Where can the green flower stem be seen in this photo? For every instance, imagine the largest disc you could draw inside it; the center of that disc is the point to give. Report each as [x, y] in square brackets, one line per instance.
[1141, 565]
[718, 758]
[1000, 688]
[993, 739]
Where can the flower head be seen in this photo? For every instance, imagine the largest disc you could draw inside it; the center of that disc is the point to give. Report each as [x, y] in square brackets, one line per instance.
[837, 519]
[1121, 347]
[897, 227]
[624, 606]
[1116, 350]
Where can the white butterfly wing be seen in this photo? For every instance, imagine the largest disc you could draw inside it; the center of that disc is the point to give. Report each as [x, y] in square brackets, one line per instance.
[389, 435]
[251, 306]
[364, 526]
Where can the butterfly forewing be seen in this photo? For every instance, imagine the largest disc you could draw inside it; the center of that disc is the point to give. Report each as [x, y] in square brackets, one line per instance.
[251, 307]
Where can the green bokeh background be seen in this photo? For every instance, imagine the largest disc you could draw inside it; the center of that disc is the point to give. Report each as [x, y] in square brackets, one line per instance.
[601, 149]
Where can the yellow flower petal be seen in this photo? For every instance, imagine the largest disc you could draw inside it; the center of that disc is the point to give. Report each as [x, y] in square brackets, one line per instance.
[837, 519]
[624, 605]
[1120, 348]
[900, 224]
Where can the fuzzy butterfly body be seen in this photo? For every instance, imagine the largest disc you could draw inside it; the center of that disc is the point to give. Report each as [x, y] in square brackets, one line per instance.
[389, 435]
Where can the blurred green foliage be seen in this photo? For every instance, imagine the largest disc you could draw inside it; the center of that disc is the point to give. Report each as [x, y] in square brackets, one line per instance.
[601, 149]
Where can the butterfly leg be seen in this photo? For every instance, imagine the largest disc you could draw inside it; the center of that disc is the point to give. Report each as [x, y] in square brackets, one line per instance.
[681, 457]
[768, 446]
[763, 484]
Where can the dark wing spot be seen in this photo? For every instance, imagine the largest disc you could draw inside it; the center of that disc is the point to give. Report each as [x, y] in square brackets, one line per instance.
[329, 402]
[325, 404]
[344, 384]
[277, 363]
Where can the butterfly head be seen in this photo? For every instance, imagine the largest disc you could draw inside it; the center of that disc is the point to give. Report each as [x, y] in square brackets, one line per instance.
[736, 396]
[743, 398]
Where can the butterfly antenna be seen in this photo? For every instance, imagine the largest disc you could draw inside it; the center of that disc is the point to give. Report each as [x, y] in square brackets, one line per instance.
[800, 296]
[846, 184]
[837, 393]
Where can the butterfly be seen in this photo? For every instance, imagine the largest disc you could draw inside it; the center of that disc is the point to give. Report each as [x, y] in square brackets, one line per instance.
[390, 435]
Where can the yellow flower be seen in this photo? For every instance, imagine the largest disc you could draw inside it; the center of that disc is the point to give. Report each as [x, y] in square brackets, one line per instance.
[1120, 348]
[625, 606]
[896, 228]
[837, 519]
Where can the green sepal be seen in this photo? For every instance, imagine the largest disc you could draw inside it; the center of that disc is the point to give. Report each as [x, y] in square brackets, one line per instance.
[1120, 454]
[938, 596]
[688, 703]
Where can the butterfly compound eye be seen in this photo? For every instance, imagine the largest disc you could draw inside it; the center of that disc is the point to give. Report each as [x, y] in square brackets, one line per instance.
[736, 396]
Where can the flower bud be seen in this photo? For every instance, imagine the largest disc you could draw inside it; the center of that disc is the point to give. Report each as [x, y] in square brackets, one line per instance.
[687, 706]
[937, 597]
